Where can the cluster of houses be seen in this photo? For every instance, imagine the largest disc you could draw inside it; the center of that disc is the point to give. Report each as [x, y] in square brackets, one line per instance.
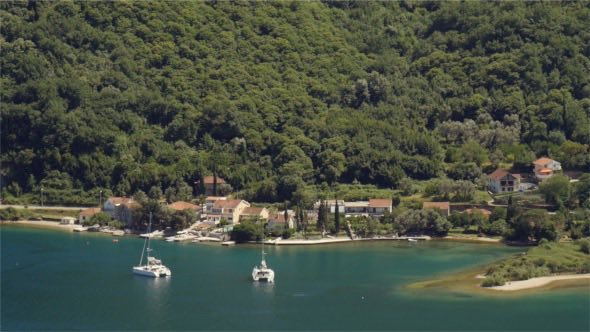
[216, 209]
[503, 181]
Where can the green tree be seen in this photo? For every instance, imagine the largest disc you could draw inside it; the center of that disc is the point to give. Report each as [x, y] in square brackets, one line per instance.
[100, 218]
[556, 189]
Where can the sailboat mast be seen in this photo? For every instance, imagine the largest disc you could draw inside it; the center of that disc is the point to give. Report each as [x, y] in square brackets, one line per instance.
[147, 241]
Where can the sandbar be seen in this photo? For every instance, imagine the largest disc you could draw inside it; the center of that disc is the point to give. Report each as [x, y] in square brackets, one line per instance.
[538, 282]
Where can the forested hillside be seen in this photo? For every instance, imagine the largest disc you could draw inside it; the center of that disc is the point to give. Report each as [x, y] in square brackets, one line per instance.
[277, 96]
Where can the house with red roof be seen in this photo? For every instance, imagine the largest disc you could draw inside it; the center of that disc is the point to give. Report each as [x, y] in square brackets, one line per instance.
[277, 220]
[210, 185]
[86, 214]
[443, 207]
[181, 206]
[254, 213]
[544, 168]
[378, 207]
[501, 181]
[227, 209]
[121, 208]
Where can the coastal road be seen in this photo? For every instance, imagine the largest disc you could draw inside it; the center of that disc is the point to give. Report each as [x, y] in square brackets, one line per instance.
[32, 207]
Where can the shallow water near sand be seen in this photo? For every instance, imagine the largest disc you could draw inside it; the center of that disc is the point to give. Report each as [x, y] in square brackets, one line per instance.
[55, 280]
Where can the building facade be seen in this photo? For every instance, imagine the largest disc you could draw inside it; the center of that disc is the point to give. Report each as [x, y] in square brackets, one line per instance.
[501, 181]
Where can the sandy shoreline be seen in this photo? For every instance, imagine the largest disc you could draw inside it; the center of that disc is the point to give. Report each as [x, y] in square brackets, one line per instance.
[538, 282]
[297, 242]
[42, 224]
[282, 242]
[471, 239]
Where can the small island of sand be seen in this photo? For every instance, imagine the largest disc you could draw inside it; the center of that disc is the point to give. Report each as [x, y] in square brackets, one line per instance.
[538, 282]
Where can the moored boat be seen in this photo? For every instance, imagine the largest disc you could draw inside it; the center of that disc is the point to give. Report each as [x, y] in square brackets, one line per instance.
[153, 267]
[262, 272]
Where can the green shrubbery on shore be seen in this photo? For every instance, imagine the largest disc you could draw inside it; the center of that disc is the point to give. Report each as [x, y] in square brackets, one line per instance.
[545, 259]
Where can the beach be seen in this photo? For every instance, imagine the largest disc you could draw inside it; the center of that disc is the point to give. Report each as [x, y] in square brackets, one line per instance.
[42, 224]
[471, 239]
[538, 282]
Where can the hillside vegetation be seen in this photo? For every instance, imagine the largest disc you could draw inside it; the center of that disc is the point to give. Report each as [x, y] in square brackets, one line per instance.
[278, 96]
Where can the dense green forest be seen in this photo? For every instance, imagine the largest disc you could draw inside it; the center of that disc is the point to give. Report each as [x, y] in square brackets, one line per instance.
[276, 97]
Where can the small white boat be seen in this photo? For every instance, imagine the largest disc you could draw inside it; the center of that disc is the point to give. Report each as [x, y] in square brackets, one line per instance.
[412, 240]
[153, 267]
[152, 234]
[263, 272]
[80, 229]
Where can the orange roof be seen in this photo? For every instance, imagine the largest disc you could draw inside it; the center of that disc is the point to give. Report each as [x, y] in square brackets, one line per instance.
[542, 161]
[131, 204]
[436, 205]
[380, 203]
[279, 218]
[209, 180]
[498, 174]
[227, 203]
[120, 200]
[89, 212]
[252, 211]
[214, 198]
[179, 206]
[483, 211]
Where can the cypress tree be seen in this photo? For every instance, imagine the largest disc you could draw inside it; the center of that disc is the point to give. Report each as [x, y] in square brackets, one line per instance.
[201, 185]
[336, 219]
[286, 216]
[510, 210]
[321, 216]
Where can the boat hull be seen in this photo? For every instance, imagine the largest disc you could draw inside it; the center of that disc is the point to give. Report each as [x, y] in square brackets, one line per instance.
[153, 272]
[266, 275]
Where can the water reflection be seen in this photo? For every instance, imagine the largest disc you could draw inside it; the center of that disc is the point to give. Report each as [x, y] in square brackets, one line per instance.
[156, 295]
[263, 287]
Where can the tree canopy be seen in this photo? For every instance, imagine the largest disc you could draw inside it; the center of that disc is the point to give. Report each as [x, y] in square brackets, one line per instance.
[274, 96]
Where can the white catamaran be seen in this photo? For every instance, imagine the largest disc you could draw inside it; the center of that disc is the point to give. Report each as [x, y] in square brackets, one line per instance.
[153, 267]
[263, 272]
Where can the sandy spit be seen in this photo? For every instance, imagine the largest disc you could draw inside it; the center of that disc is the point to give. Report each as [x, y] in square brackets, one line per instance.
[538, 282]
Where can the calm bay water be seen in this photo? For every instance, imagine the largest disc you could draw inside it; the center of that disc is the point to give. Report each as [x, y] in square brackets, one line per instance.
[53, 280]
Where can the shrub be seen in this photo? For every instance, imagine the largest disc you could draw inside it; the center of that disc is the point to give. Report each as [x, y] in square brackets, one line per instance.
[9, 214]
[493, 280]
[585, 246]
[287, 233]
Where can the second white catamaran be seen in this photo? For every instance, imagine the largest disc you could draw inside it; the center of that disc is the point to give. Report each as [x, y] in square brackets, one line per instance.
[263, 272]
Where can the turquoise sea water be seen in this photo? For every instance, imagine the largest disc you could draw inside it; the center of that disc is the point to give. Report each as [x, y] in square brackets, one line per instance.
[54, 280]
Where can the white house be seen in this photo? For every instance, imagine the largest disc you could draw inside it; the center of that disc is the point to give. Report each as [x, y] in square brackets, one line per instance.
[544, 168]
[501, 181]
[121, 209]
[331, 204]
[228, 209]
[67, 221]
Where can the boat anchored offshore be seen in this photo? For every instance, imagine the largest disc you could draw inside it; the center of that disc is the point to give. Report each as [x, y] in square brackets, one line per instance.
[153, 267]
[263, 272]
